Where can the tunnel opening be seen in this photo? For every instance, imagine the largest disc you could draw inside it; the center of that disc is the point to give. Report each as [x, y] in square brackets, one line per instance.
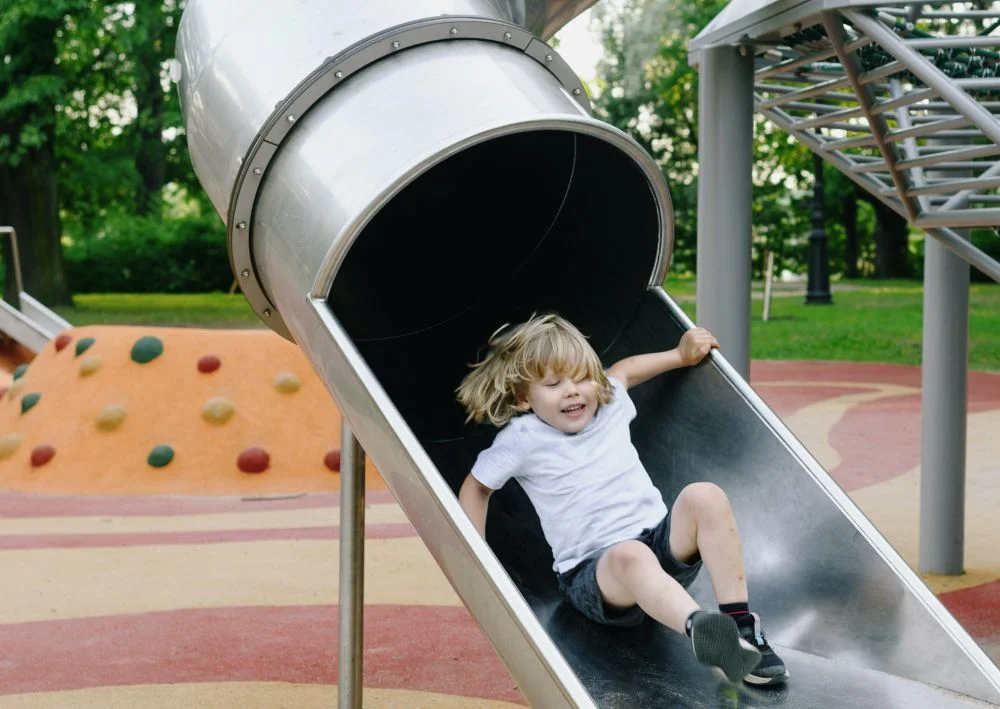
[536, 221]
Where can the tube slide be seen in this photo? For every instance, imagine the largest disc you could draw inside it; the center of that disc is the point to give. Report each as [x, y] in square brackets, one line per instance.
[399, 178]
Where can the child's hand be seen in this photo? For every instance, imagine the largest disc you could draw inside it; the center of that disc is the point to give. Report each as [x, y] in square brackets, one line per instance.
[695, 345]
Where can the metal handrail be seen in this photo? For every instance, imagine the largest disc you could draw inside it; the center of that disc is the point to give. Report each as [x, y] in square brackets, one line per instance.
[12, 232]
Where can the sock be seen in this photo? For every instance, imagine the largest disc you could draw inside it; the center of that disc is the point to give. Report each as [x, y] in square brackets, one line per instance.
[735, 609]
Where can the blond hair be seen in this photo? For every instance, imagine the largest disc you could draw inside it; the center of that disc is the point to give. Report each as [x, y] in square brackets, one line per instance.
[523, 354]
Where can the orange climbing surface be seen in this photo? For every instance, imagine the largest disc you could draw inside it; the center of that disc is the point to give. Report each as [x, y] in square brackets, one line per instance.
[104, 411]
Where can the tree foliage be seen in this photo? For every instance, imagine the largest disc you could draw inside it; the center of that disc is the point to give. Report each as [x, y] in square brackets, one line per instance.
[31, 88]
[647, 88]
[120, 134]
[90, 127]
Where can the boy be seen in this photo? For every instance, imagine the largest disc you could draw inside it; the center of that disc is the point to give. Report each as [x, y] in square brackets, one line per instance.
[618, 555]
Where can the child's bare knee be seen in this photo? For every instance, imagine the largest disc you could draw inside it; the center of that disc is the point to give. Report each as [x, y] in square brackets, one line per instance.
[705, 497]
[624, 557]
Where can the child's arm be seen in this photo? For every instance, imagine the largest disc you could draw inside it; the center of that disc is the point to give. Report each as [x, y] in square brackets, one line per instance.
[695, 344]
[474, 498]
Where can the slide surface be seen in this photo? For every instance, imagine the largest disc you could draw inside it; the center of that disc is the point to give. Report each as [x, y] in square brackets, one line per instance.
[854, 624]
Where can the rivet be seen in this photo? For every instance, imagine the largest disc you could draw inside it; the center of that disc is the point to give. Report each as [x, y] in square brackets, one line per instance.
[245, 273]
[577, 92]
[290, 118]
[267, 312]
[454, 30]
[258, 171]
[395, 45]
[506, 35]
[241, 225]
[548, 57]
[339, 74]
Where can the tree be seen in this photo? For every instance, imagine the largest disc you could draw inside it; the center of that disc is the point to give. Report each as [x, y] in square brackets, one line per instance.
[30, 90]
[647, 88]
[120, 130]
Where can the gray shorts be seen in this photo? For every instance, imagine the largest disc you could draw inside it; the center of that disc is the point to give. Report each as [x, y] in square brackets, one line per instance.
[579, 584]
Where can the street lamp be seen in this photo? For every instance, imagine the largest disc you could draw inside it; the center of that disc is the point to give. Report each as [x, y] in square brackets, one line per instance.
[818, 289]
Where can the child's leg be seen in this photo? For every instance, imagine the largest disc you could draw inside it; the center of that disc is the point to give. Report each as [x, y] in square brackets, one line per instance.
[629, 574]
[703, 523]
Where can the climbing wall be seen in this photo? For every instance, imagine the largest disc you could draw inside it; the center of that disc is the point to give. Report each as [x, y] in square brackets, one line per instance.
[120, 410]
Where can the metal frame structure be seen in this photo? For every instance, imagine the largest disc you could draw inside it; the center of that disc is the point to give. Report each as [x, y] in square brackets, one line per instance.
[904, 100]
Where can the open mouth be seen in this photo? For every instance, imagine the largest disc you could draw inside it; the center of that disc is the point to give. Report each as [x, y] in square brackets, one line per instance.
[574, 410]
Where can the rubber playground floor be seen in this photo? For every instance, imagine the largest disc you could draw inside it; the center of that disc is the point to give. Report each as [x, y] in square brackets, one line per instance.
[199, 585]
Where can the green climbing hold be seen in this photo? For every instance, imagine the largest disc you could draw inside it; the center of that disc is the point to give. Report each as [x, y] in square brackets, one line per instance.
[146, 349]
[84, 345]
[160, 456]
[29, 400]
[19, 371]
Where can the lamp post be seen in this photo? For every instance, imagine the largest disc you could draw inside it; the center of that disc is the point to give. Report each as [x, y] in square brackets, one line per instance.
[818, 290]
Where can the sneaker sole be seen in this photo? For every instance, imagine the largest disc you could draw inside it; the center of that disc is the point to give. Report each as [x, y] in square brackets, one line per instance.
[761, 680]
[717, 643]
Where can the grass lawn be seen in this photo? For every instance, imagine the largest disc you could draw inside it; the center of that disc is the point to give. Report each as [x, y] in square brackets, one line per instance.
[213, 310]
[875, 321]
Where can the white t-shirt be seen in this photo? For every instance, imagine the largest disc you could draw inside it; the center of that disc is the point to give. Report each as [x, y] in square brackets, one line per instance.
[589, 489]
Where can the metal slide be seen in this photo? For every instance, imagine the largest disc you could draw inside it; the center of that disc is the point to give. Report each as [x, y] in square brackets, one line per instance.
[33, 325]
[397, 180]
[22, 329]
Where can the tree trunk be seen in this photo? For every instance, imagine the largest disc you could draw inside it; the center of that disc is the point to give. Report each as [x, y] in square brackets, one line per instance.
[891, 243]
[892, 239]
[150, 156]
[29, 203]
[851, 237]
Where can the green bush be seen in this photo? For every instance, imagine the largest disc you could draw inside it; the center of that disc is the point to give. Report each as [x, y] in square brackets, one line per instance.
[146, 255]
[984, 239]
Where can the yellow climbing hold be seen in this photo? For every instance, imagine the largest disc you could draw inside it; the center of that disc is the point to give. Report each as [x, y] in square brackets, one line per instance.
[89, 365]
[217, 410]
[15, 389]
[111, 417]
[287, 382]
[9, 445]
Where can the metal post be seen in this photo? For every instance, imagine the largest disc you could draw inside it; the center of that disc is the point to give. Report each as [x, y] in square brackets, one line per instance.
[818, 289]
[944, 378]
[725, 192]
[18, 282]
[352, 570]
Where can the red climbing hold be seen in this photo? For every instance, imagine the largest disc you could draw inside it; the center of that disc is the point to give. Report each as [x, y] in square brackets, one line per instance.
[253, 460]
[42, 455]
[62, 341]
[332, 459]
[208, 364]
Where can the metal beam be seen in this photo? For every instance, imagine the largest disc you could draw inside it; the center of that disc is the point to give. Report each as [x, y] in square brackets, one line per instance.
[866, 98]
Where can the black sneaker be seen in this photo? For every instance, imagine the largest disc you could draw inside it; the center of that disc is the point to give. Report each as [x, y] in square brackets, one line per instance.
[771, 669]
[717, 643]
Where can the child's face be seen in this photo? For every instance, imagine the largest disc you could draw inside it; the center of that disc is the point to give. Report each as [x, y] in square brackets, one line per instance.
[561, 401]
